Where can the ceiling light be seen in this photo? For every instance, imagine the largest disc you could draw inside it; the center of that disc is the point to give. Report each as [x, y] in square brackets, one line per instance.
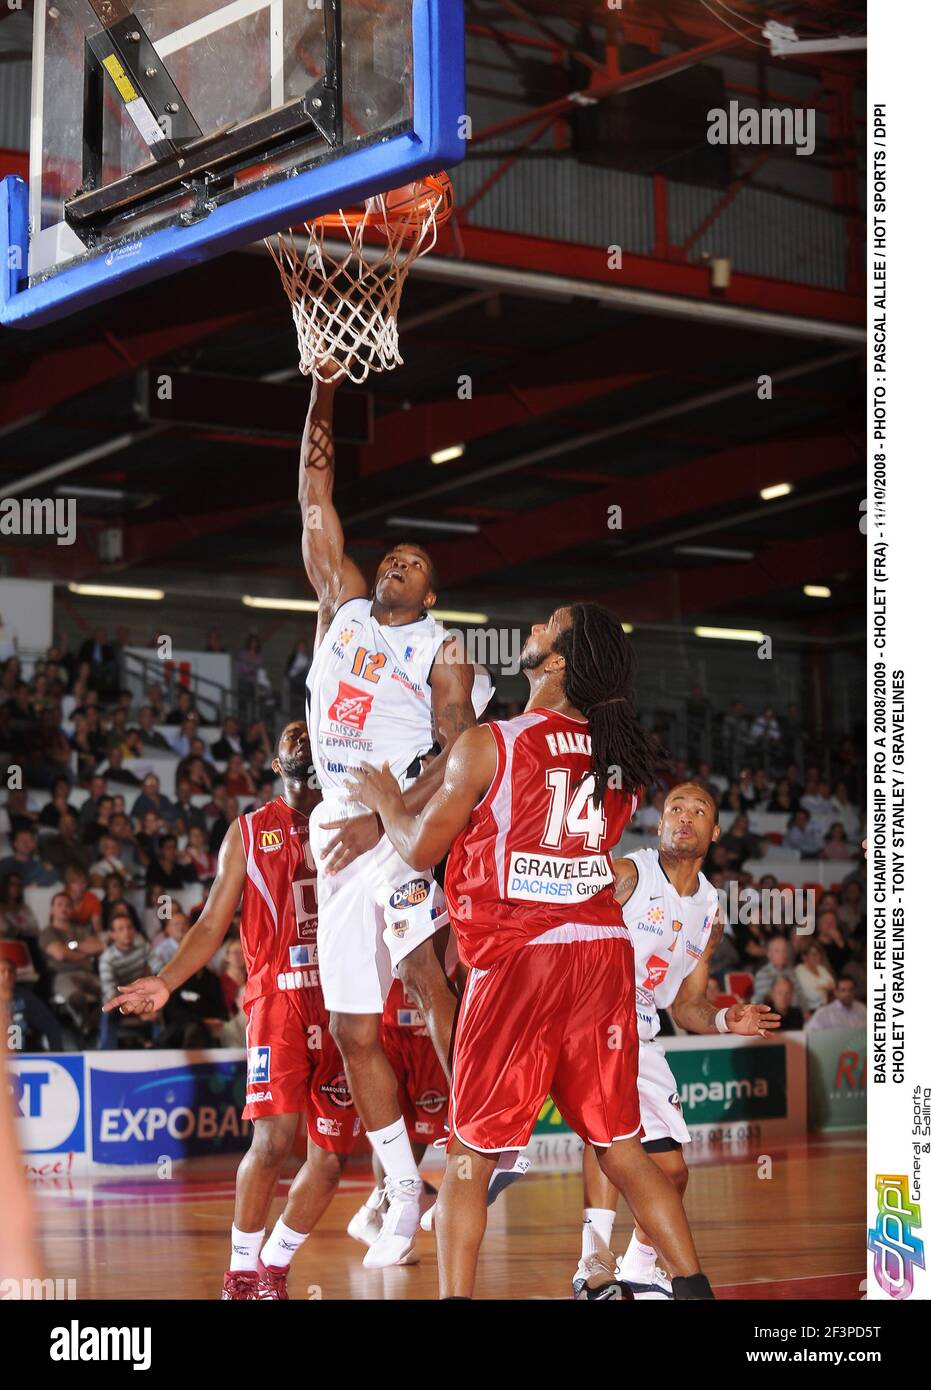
[817, 591]
[411, 523]
[100, 494]
[769, 494]
[284, 605]
[115, 591]
[452, 615]
[455, 451]
[730, 634]
[715, 552]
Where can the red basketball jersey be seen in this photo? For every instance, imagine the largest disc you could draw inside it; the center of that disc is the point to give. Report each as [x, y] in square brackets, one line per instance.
[279, 902]
[536, 854]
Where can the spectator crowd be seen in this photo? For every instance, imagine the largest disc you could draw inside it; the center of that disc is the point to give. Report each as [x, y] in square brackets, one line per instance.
[105, 861]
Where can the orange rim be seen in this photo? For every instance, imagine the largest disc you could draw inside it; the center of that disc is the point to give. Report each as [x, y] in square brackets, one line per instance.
[437, 189]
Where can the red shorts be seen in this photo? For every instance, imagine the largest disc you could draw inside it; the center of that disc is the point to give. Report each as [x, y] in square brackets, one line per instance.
[423, 1092]
[555, 1019]
[294, 1066]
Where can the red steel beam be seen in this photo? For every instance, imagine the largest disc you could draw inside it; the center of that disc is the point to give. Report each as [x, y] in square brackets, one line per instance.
[646, 500]
[604, 83]
[785, 565]
[407, 435]
[691, 281]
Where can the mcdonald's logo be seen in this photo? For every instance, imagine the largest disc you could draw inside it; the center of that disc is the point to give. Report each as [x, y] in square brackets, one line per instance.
[270, 840]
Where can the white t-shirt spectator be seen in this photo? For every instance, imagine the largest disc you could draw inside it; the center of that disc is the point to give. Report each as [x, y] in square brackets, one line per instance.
[838, 1015]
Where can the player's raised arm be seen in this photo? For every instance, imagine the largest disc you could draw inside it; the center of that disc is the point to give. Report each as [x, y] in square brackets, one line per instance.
[334, 576]
[693, 1010]
[150, 993]
[423, 839]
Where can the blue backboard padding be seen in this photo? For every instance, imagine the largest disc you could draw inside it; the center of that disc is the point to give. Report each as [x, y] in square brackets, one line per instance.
[436, 142]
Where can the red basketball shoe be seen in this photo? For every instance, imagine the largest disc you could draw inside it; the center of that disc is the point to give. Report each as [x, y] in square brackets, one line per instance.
[272, 1282]
[240, 1284]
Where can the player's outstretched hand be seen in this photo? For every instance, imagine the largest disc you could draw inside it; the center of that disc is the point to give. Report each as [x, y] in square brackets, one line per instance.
[752, 1020]
[374, 787]
[144, 996]
[356, 836]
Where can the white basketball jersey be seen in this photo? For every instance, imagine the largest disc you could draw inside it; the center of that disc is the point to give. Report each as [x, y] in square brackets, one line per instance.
[669, 935]
[368, 693]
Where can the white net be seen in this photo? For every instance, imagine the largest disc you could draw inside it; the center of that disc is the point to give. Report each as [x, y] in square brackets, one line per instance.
[344, 275]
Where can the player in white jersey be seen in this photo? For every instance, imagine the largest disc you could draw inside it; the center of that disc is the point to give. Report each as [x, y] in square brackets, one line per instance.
[671, 912]
[387, 685]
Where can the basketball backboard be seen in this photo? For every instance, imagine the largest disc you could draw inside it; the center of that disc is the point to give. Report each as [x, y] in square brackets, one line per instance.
[165, 132]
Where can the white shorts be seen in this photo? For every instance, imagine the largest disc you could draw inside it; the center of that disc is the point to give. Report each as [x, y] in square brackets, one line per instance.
[370, 916]
[660, 1106]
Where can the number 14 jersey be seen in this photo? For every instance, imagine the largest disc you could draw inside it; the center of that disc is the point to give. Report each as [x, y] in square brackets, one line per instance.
[536, 854]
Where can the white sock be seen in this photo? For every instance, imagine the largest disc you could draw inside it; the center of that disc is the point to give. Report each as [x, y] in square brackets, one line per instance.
[639, 1259]
[597, 1228]
[282, 1245]
[246, 1247]
[394, 1151]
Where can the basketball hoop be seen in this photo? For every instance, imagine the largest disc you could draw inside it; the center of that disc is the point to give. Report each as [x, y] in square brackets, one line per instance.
[344, 274]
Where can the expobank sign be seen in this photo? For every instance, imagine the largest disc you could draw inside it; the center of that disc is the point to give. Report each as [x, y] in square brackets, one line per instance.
[121, 1109]
[183, 1111]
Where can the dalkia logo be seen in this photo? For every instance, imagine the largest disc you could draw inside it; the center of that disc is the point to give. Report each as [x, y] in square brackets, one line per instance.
[77, 1343]
[897, 1251]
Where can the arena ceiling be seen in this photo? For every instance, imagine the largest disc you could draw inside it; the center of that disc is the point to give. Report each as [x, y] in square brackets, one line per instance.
[581, 399]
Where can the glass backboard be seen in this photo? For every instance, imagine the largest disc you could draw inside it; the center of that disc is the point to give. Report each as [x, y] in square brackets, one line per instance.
[165, 131]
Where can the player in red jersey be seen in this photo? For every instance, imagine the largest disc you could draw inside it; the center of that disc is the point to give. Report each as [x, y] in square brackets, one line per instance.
[423, 1095]
[532, 808]
[294, 1068]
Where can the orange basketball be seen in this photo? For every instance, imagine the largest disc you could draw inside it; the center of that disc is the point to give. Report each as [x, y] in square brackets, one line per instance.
[412, 202]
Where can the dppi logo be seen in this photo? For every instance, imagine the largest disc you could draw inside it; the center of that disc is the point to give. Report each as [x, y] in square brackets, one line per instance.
[897, 1251]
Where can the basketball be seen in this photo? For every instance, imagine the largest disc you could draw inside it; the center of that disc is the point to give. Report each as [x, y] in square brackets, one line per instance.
[412, 202]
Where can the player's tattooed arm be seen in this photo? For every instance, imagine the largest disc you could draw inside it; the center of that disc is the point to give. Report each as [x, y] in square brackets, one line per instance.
[150, 993]
[451, 681]
[625, 879]
[335, 578]
[423, 839]
[694, 1011]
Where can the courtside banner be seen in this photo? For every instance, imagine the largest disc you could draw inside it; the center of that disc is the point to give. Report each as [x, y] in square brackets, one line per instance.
[146, 1106]
[732, 1091]
[48, 1094]
[896, 507]
[837, 1078]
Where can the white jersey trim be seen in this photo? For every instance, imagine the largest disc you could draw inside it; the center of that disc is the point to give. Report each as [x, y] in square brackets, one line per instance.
[253, 870]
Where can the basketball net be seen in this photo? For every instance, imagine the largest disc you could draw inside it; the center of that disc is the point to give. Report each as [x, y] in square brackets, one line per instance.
[344, 274]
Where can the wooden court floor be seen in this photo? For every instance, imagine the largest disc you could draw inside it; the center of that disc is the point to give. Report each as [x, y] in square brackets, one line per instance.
[799, 1234]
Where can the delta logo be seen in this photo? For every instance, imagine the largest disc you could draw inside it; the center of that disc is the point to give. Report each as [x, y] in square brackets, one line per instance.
[270, 840]
[410, 894]
[351, 707]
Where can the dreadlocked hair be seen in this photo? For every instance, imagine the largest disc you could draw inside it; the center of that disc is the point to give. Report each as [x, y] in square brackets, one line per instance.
[600, 671]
